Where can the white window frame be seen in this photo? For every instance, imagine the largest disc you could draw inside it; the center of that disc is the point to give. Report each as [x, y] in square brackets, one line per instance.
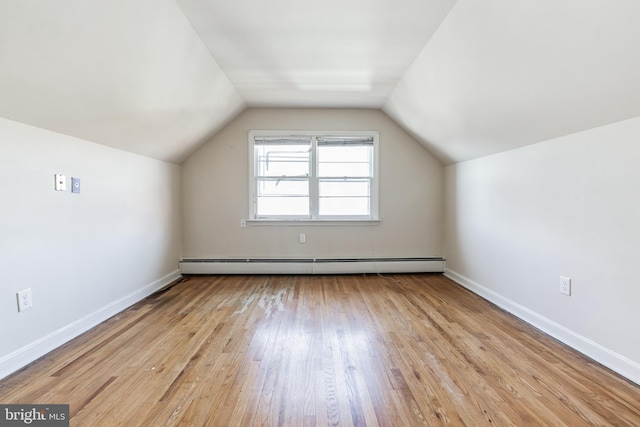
[314, 217]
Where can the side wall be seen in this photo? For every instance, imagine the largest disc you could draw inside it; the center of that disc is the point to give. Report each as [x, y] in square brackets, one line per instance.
[84, 256]
[517, 221]
[215, 194]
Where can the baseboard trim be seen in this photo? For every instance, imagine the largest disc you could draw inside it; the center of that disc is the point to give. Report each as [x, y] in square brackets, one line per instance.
[612, 360]
[35, 350]
[311, 265]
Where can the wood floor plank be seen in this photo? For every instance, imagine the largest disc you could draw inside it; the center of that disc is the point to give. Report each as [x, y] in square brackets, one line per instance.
[354, 350]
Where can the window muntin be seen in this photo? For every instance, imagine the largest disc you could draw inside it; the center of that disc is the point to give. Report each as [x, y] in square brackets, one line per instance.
[313, 176]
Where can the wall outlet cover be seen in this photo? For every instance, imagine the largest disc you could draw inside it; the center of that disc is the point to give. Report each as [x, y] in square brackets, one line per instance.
[565, 285]
[25, 301]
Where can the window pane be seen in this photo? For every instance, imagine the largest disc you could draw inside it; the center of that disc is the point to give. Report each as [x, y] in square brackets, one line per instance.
[336, 206]
[280, 197]
[343, 188]
[344, 160]
[282, 160]
[353, 153]
[282, 187]
[281, 206]
[344, 197]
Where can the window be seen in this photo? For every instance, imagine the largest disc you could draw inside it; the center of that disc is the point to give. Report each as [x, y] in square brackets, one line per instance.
[314, 176]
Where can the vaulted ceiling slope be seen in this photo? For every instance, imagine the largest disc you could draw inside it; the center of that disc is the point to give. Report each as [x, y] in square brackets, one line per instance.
[467, 78]
[501, 74]
[132, 75]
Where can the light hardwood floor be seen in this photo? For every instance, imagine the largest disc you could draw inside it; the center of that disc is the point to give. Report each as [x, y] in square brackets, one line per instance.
[392, 350]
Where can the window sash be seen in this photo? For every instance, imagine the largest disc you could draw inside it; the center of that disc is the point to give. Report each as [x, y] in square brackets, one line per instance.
[336, 195]
[277, 157]
[331, 161]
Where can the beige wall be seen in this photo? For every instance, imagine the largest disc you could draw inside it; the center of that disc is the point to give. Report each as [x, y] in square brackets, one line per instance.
[517, 221]
[215, 194]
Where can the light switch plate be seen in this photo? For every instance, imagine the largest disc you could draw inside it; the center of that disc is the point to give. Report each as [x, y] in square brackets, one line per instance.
[61, 182]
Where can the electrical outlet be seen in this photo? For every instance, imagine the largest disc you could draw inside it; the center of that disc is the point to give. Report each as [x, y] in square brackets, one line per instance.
[565, 285]
[243, 223]
[303, 238]
[25, 301]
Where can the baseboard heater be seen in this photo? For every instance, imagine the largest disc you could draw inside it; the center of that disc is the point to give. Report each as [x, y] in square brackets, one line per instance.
[311, 265]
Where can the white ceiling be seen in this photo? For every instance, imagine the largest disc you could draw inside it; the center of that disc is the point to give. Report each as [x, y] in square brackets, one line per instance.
[466, 78]
[329, 53]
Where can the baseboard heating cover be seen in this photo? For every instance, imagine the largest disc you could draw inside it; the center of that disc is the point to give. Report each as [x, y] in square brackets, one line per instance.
[311, 265]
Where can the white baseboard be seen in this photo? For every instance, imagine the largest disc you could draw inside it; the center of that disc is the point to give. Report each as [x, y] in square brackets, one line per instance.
[614, 361]
[312, 266]
[33, 351]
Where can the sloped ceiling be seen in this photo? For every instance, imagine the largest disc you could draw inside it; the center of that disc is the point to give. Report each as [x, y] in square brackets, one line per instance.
[128, 74]
[466, 78]
[501, 74]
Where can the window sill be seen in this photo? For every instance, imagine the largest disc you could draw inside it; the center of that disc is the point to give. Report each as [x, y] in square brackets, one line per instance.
[312, 222]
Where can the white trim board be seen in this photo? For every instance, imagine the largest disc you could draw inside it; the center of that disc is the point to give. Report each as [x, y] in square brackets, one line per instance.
[33, 351]
[612, 360]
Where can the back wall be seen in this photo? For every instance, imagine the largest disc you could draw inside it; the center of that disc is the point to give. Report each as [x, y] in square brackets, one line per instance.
[215, 197]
